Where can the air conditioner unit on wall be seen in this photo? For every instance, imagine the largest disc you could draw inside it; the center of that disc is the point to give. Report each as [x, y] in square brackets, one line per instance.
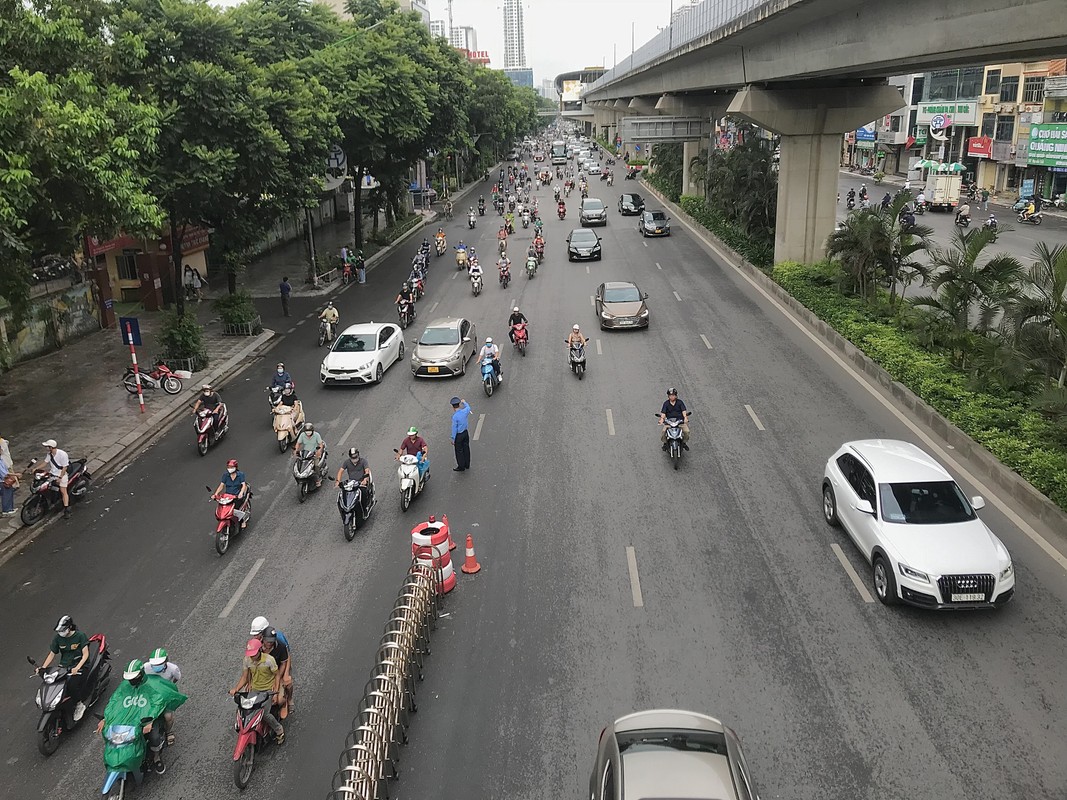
[997, 108]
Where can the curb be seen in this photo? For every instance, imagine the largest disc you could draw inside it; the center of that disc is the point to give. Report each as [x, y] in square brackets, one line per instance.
[1014, 487]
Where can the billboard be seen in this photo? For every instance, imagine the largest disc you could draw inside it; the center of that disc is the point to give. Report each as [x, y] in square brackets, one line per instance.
[1047, 146]
[572, 91]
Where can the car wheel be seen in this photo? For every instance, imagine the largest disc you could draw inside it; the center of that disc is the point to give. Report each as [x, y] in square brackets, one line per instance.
[379, 373]
[829, 506]
[885, 585]
[400, 353]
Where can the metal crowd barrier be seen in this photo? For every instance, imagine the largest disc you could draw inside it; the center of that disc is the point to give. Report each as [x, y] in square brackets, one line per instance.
[372, 747]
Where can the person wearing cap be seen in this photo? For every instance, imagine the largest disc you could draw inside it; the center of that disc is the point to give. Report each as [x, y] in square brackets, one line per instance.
[415, 445]
[261, 674]
[71, 646]
[159, 664]
[59, 466]
[461, 441]
[281, 377]
[310, 440]
[281, 652]
[516, 318]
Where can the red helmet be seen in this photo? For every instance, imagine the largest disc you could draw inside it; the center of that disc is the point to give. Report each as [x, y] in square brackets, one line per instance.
[231, 463]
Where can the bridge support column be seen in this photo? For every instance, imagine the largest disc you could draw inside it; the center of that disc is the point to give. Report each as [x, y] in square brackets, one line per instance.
[690, 150]
[811, 123]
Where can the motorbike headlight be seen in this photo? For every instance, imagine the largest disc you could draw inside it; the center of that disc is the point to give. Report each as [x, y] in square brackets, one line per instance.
[38, 700]
[914, 574]
[55, 702]
[121, 734]
[248, 701]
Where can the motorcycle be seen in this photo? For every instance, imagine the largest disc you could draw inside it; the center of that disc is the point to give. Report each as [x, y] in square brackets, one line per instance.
[471, 220]
[963, 221]
[920, 208]
[461, 259]
[253, 733]
[274, 397]
[490, 380]
[411, 485]
[577, 358]
[326, 332]
[308, 473]
[160, 377]
[116, 736]
[675, 444]
[288, 422]
[991, 225]
[1033, 219]
[417, 287]
[481, 210]
[526, 219]
[539, 249]
[522, 337]
[631, 174]
[354, 501]
[208, 432]
[441, 245]
[476, 283]
[406, 313]
[611, 178]
[57, 706]
[505, 277]
[850, 203]
[502, 247]
[531, 266]
[44, 490]
[228, 520]
[561, 213]
[604, 176]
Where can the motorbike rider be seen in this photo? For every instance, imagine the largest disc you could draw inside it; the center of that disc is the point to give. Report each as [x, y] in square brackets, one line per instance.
[210, 400]
[440, 235]
[490, 350]
[575, 336]
[556, 192]
[406, 294]
[415, 445]
[140, 697]
[71, 646]
[310, 440]
[863, 191]
[159, 664]
[561, 208]
[673, 408]
[281, 652]
[474, 269]
[330, 315]
[516, 318]
[481, 204]
[262, 674]
[1030, 209]
[991, 222]
[503, 265]
[964, 213]
[234, 483]
[539, 244]
[920, 199]
[356, 468]
[887, 200]
[59, 468]
[281, 377]
[509, 222]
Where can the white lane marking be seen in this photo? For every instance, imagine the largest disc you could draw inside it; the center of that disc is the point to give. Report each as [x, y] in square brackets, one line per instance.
[751, 413]
[478, 427]
[309, 315]
[635, 580]
[348, 432]
[586, 269]
[658, 266]
[241, 589]
[704, 339]
[301, 322]
[592, 301]
[677, 296]
[291, 329]
[435, 302]
[455, 275]
[645, 244]
[599, 352]
[856, 580]
[611, 424]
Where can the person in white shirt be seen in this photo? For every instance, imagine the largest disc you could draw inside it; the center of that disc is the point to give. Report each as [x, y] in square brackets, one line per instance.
[58, 466]
[490, 350]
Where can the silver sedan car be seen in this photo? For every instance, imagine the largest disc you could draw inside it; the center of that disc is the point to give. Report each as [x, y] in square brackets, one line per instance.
[444, 348]
[670, 753]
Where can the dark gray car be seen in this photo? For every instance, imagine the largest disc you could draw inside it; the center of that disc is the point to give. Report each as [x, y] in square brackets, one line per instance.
[631, 204]
[654, 223]
[583, 245]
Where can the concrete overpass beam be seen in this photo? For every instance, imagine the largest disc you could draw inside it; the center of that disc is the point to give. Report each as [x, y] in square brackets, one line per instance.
[810, 122]
[642, 105]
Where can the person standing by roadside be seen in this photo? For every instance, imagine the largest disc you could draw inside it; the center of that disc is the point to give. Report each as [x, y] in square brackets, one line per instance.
[461, 412]
[985, 199]
[9, 481]
[284, 290]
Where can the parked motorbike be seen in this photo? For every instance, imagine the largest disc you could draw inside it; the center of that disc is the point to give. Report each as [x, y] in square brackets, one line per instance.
[471, 220]
[406, 313]
[208, 431]
[476, 283]
[253, 733]
[228, 519]
[354, 501]
[326, 332]
[159, 377]
[288, 422]
[490, 380]
[522, 337]
[411, 485]
[1033, 219]
[309, 473]
[675, 445]
[531, 266]
[119, 785]
[577, 359]
[57, 705]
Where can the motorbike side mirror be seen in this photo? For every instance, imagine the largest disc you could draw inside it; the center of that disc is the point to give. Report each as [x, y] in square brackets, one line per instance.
[30, 659]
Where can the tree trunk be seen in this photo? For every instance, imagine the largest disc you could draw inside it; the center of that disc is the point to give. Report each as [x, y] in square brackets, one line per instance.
[1063, 375]
[357, 215]
[231, 279]
[176, 261]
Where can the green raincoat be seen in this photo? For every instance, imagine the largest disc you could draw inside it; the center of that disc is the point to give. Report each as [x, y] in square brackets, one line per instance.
[127, 707]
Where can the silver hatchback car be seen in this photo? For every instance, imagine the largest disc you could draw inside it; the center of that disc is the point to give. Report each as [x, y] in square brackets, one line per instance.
[670, 753]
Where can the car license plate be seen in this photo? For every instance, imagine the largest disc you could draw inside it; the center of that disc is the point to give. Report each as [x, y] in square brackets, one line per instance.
[967, 598]
[659, 230]
[626, 322]
[433, 370]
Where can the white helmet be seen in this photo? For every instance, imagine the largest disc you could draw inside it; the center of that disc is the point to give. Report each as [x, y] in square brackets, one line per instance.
[575, 328]
[488, 339]
[259, 624]
[515, 310]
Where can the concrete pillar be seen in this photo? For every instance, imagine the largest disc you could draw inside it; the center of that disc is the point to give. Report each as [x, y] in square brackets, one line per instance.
[811, 123]
[690, 150]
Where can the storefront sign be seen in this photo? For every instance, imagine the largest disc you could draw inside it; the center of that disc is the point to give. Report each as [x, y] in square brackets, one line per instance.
[920, 134]
[866, 133]
[980, 146]
[94, 246]
[194, 239]
[961, 113]
[1047, 146]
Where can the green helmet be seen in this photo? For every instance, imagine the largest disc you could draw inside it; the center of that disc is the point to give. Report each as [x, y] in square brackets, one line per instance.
[134, 670]
[158, 657]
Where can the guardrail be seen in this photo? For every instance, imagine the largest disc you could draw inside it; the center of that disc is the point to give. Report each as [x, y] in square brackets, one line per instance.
[372, 747]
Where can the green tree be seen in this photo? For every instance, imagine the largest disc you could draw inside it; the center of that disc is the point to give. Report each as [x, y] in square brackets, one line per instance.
[862, 248]
[1038, 315]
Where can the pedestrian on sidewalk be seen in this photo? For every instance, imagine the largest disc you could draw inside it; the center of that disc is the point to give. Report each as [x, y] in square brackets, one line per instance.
[9, 481]
[285, 289]
[985, 199]
[461, 412]
[199, 282]
[361, 267]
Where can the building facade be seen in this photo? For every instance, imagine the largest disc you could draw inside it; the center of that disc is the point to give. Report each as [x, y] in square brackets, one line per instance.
[439, 28]
[514, 37]
[520, 77]
[464, 37]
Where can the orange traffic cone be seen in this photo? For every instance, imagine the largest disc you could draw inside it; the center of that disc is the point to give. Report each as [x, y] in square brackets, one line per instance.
[451, 541]
[470, 564]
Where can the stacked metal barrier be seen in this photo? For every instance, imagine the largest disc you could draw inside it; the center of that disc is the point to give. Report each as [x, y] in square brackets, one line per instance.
[372, 747]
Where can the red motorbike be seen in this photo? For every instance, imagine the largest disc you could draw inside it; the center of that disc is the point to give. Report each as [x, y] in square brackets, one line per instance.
[521, 337]
[44, 491]
[253, 733]
[561, 212]
[539, 249]
[210, 429]
[229, 525]
[159, 377]
[505, 275]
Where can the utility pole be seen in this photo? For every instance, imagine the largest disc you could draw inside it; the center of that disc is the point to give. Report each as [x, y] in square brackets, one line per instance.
[450, 21]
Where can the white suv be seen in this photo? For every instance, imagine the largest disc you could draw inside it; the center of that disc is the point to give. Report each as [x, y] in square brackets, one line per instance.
[912, 522]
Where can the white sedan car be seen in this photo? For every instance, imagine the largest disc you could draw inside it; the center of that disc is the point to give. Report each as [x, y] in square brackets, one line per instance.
[912, 522]
[362, 353]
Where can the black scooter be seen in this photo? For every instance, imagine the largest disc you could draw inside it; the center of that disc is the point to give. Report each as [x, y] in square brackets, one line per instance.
[355, 502]
[57, 705]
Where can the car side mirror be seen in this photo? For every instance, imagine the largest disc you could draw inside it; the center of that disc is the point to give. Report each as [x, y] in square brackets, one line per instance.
[644, 295]
[978, 502]
[466, 339]
[864, 507]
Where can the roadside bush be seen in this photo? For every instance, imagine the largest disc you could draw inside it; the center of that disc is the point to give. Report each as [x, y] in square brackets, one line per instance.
[1003, 423]
[758, 253]
[236, 309]
[181, 338]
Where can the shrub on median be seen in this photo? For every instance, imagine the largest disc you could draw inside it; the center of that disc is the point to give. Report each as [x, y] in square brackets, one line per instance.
[759, 253]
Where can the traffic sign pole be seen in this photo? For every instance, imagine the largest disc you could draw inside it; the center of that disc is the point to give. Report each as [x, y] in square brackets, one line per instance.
[136, 373]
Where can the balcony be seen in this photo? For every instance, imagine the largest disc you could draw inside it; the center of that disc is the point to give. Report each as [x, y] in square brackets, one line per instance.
[1056, 86]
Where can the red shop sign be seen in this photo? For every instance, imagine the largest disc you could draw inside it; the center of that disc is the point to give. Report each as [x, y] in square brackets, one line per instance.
[980, 146]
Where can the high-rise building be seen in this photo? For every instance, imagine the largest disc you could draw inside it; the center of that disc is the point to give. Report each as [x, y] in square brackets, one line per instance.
[514, 36]
[438, 27]
[464, 37]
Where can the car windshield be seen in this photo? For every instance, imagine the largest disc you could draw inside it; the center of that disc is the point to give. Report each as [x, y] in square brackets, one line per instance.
[689, 741]
[625, 294]
[593, 205]
[440, 336]
[583, 238]
[354, 343]
[632, 199]
[656, 216]
[936, 503]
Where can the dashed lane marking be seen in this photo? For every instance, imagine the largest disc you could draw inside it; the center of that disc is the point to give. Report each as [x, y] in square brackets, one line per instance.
[348, 432]
[851, 571]
[599, 352]
[478, 427]
[677, 296]
[704, 339]
[755, 419]
[635, 579]
[435, 302]
[241, 589]
[658, 266]
[611, 424]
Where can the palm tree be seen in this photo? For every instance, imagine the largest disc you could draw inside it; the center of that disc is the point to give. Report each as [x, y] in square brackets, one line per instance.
[906, 242]
[1038, 316]
[863, 249]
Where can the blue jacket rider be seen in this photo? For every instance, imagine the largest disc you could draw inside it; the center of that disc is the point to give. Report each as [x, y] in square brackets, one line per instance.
[281, 377]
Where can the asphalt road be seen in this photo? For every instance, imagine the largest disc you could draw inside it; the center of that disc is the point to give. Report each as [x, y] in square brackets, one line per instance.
[746, 612]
